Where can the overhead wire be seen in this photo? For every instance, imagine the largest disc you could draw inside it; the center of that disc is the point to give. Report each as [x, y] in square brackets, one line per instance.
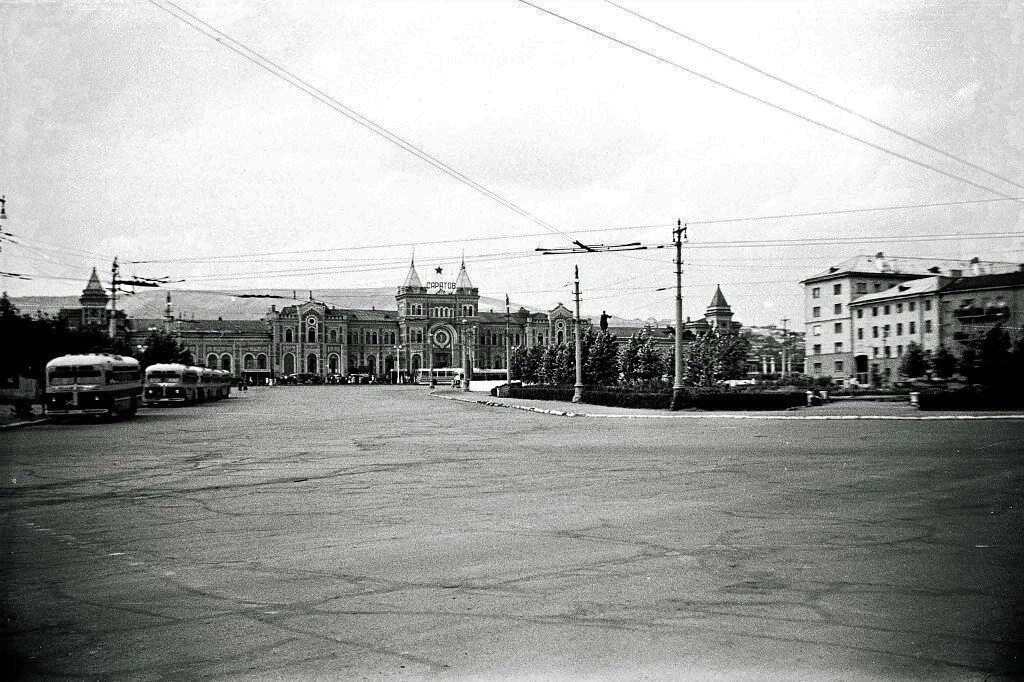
[301, 84]
[772, 105]
[815, 95]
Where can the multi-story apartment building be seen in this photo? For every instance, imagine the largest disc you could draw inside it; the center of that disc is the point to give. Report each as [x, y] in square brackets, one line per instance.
[828, 321]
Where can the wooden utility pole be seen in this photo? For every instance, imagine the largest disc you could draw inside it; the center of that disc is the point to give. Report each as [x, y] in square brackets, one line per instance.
[577, 394]
[678, 235]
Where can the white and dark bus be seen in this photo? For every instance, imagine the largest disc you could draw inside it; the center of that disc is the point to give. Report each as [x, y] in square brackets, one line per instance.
[170, 383]
[98, 384]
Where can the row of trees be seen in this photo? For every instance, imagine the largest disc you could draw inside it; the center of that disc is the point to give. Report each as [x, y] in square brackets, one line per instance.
[992, 359]
[709, 358]
[30, 343]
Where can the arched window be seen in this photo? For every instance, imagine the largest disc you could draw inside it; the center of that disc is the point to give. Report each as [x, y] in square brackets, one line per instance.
[311, 363]
[212, 361]
[261, 361]
[225, 362]
[371, 362]
[352, 362]
[561, 336]
[249, 362]
[311, 335]
[416, 363]
[289, 363]
[373, 338]
[334, 336]
[497, 362]
[332, 363]
[288, 335]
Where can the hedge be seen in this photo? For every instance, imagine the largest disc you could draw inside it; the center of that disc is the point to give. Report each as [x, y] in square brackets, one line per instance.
[704, 399]
[971, 399]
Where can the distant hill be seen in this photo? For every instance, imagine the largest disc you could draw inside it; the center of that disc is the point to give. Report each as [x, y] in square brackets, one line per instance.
[211, 305]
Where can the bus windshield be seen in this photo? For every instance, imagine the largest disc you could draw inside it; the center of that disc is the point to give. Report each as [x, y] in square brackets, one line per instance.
[167, 377]
[68, 376]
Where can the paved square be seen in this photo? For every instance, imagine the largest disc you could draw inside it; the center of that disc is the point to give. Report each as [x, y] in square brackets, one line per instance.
[341, 531]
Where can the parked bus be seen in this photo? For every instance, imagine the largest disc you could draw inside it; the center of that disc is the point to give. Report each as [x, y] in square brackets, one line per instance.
[168, 383]
[99, 384]
[442, 375]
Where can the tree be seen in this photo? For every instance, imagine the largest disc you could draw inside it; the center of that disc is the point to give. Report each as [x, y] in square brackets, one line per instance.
[601, 366]
[943, 363]
[994, 357]
[526, 363]
[715, 356]
[914, 363]
[639, 360]
[162, 347]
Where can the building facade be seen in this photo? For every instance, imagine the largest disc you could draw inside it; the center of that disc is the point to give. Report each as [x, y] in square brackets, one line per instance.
[435, 324]
[833, 340]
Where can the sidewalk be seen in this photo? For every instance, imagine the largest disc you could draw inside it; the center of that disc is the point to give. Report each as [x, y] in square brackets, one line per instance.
[8, 420]
[842, 410]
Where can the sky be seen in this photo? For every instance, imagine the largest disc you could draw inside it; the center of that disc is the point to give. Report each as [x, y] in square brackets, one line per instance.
[125, 132]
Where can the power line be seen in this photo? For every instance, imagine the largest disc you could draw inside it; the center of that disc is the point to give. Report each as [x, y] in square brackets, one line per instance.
[818, 97]
[277, 70]
[709, 221]
[767, 103]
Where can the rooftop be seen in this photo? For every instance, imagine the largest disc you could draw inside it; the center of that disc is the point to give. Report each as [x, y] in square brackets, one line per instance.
[910, 266]
[914, 287]
[1006, 279]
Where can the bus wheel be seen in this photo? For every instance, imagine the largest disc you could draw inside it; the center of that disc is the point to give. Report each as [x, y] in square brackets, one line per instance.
[133, 407]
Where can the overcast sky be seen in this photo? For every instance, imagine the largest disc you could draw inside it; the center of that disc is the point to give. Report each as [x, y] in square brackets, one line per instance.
[123, 131]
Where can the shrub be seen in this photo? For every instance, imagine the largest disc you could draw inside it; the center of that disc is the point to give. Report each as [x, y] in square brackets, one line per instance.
[970, 399]
[661, 398]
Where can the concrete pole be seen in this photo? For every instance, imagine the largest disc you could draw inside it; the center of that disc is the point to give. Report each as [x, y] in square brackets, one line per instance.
[785, 342]
[677, 383]
[577, 394]
[508, 343]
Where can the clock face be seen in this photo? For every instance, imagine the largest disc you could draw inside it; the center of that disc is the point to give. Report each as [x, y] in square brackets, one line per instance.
[442, 338]
[311, 321]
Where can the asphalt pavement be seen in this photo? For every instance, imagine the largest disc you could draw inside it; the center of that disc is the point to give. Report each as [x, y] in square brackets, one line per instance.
[332, 532]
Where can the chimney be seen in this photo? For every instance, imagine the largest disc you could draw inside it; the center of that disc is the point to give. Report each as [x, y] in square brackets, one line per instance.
[975, 266]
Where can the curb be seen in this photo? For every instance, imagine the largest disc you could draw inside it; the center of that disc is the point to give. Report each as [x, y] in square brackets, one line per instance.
[720, 415]
[19, 425]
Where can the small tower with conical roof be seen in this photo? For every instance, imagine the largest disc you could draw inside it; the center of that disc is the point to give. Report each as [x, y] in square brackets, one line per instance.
[94, 295]
[462, 283]
[719, 312]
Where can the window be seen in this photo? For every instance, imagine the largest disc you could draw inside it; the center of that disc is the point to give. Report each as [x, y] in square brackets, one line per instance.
[816, 311]
[334, 336]
[816, 292]
[817, 368]
[839, 347]
[837, 309]
[817, 349]
[878, 287]
[837, 289]
[838, 329]
[927, 326]
[887, 309]
[839, 365]
[899, 350]
[874, 312]
[287, 335]
[311, 335]
[862, 287]
[874, 332]
[912, 306]
[911, 328]
[860, 333]
[874, 351]
[928, 304]
[899, 307]
[888, 351]
[860, 313]
[899, 329]
[816, 330]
